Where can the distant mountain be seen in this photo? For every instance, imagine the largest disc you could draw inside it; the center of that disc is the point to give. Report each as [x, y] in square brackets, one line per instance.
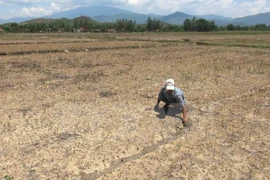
[110, 14]
[213, 17]
[262, 18]
[39, 20]
[91, 11]
[139, 18]
[65, 20]
[16, 20]
[219, 20]
[176, 18]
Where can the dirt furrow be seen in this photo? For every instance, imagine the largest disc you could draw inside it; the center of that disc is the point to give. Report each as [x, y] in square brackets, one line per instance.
[73, 50]
[120, 162]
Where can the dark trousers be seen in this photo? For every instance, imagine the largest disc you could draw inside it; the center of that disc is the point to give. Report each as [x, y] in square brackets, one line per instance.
[167, 103]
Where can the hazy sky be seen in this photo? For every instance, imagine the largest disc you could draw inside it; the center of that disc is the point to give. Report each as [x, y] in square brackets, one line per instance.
[227, 8]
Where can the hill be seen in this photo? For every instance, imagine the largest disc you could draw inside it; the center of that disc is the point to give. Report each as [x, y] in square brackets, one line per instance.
[16, 20]
[42, 20]
[110, 14]
[65, 20]
[139, 18]
[91, 11]
[176, 18]
[262, 18]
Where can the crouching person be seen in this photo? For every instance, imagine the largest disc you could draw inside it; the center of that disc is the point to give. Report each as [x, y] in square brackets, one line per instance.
[169, 93]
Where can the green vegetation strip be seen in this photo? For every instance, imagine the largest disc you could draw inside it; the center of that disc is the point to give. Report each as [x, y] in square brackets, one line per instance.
[233, 45]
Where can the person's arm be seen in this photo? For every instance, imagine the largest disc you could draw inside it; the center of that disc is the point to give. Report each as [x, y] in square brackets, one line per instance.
[160, 95]
[156, 107]
[185, 113]
[181, 99]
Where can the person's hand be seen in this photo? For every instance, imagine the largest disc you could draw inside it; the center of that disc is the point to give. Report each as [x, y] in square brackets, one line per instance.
[187, 123]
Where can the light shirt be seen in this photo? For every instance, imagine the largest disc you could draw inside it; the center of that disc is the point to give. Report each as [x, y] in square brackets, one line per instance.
[177, 96]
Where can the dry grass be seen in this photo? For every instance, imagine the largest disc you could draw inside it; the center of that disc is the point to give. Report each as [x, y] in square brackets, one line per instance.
[87, 114]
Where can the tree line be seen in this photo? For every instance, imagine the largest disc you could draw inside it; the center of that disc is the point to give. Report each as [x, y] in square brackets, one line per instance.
[84, 24]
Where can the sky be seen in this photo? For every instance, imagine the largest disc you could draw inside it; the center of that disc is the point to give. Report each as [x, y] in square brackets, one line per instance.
[228, 8]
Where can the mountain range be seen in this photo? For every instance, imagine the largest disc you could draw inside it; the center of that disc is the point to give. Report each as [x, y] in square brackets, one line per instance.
[110, 14]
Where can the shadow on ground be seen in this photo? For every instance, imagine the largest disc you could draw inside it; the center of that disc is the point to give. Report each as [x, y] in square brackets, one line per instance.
[174, 111]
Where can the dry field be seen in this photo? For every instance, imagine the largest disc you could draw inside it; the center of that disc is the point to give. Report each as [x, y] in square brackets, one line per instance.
[80, 106]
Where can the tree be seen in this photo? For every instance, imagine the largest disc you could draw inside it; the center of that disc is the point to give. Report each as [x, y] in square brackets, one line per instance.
[123, 25]
[193, 24]
[259, 27]
[198, 25]
[130, 26]
[230, 27]
[153, 25]
[213, 26]
[187, 25]
[14, 27]
[203, 25]
[149, 25]
[140, 28]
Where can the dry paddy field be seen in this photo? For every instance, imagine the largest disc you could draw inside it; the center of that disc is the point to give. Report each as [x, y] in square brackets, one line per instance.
[80, 106]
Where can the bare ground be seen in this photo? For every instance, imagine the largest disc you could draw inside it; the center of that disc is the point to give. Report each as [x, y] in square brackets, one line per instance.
[88, 113]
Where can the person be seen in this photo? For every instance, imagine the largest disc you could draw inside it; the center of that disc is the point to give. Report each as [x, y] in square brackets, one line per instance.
[169, 93]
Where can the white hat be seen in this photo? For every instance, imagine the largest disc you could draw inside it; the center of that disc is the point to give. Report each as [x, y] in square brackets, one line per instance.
[169, 87]
[169, 81]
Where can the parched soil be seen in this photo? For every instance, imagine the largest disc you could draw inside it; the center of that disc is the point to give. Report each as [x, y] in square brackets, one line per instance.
[81, 106]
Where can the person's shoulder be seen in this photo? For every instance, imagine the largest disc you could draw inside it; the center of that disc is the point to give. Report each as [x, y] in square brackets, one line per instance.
[163, 89]
[178, 90]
